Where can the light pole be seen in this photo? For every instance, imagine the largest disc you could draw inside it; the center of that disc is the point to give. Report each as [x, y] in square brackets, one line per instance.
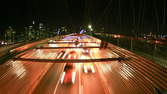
[90, 27]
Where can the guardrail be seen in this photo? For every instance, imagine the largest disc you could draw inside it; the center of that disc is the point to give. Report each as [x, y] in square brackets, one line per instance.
[70, 42]
[152, 51]
[14, 51]
[71, 60]
[67, 47]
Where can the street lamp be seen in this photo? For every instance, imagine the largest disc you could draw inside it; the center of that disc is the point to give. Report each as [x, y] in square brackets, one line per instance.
[89, 26]
[91, 29]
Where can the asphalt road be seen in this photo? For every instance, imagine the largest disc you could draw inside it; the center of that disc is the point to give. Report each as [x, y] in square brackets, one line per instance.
[137, 75]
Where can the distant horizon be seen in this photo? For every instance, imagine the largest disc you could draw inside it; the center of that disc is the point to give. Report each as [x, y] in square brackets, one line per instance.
[126, 15]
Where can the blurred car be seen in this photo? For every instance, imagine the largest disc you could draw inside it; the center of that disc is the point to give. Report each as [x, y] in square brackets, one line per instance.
[3, 43]
[13, 51]
[72, 54]
[81, 45]
[85, 51]
[88, 67]
[52, 45]
[52, 41]
[69, 74]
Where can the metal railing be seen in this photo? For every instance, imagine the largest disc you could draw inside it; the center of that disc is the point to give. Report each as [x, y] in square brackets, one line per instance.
[152, 51]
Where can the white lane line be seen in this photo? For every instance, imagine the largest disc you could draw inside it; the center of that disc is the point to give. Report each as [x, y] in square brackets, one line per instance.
[62, 77]
[81, 89]
[59, 80]
[75, 56]
[64, 55]
[59, 55]
[85, 69]
[80, 84]
[92, 68]
[103, 80]
[79, 79]
[91, 54]
[69, 56]
[73, 77]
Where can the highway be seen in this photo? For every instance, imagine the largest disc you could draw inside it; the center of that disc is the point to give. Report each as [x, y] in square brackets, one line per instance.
[137, 75]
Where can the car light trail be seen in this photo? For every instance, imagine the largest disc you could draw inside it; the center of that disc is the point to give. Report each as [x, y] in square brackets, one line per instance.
[62, 78]
[75, 56]
[52, 45]
[85, 69]
[73, 77]
[18, 69]
[69, 56]
[59, 55]
[65, 54]
[92, 68]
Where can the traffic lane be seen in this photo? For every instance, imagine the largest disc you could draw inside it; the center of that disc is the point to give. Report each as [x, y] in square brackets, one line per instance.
[102, 53]
[29, 45]
[21, 74]
[105, 68]
[68, 88]
[120, 76]
[22, 77]
[92, 83]
[110, 74]
[43, 54]
[56, 45]
[50, 81]
[28, 54]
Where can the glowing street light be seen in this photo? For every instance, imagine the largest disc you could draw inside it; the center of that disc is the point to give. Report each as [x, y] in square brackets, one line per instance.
[91, 29]
[89, 26]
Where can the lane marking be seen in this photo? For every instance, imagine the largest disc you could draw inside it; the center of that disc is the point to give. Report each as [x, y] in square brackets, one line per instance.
[69, 56]
[75, 56]
[80, 85]
[59, 80]
[64, 55]
[73, 77]
[81, 89]
[103, 81]
[59, 55]
[85, 69]
[92, 68]
[62, 77]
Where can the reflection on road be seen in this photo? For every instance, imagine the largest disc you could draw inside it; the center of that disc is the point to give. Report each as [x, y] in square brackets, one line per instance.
[138, 75]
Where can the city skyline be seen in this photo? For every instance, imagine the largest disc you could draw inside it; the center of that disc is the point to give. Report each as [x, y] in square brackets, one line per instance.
[113, 15]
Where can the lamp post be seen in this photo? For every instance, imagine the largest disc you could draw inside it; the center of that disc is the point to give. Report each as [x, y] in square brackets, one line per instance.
[90, 27]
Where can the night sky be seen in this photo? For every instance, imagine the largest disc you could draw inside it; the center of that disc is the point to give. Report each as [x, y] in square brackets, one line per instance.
[109, 14]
